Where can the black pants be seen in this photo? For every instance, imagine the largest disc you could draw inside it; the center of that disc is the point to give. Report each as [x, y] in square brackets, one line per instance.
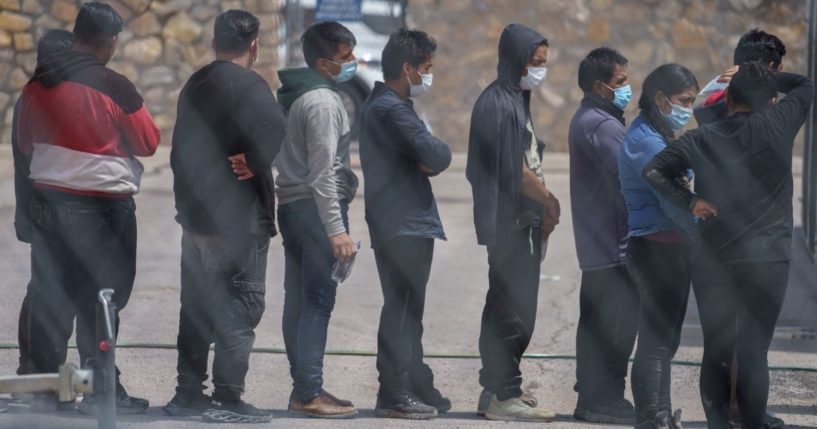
[80, 245]
[222, 301]
[509, 315]
[738, 305]
[608, 322]
[23, 327]
[404, 264]
[662, 273]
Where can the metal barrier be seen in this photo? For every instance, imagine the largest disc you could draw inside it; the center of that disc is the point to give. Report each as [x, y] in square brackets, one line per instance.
[100, 380]
[810, 158]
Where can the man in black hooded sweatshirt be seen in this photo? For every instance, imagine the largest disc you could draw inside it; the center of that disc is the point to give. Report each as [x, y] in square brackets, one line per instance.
[514, 213]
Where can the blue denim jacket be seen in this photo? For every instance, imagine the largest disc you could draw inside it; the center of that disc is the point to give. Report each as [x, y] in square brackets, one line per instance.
[648, 213]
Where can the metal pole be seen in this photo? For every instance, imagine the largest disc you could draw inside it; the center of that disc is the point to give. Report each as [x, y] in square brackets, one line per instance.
[810, 158]
[105, 377]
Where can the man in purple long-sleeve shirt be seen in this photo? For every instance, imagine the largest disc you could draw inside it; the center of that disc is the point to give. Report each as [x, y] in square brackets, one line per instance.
[608, 298]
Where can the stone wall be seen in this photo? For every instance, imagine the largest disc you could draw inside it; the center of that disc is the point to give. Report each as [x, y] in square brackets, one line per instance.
[700, 34]
[164, 41]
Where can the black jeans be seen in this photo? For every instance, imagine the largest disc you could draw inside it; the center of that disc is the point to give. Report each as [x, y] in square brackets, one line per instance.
[738, 305]
[80, 245]
[222, 301]
[608, 323]
[309, 293]
[509, 315]
[23, 328]
[662, 273]
[404, 265]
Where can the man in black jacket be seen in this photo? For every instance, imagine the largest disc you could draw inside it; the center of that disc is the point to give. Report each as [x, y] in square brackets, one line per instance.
[228, 131]
[54, 41]
[398, 154]
[741, 254]
[514, 213]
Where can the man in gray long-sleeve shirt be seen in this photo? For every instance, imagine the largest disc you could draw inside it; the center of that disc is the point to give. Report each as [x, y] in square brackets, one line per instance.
[315, 186]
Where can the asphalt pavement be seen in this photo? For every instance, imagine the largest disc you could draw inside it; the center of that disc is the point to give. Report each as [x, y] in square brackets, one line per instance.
[456, 293]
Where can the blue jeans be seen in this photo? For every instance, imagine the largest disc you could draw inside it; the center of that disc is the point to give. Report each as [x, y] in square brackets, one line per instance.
[309, 293]
[80, 245]
[222, 301]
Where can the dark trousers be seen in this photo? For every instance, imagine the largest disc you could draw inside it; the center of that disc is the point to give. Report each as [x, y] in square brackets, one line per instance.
[309, 293]
[509, 315]
[23, 327]
[662, 272]
[222, 301]
[404, 265]
[608, 322]
[80, 245]
[738, 305]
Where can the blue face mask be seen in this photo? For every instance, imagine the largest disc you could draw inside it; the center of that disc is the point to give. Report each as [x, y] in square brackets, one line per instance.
[678, 117]
[347, 71]
[622, 96]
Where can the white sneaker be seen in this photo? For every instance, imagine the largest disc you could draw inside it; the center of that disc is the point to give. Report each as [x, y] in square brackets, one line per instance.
[517, 410]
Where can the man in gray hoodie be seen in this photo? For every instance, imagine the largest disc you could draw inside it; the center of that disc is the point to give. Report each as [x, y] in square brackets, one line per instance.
[315, 187]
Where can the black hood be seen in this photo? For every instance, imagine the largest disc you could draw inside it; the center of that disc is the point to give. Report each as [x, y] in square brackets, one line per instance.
[516, 46]
[61, 66]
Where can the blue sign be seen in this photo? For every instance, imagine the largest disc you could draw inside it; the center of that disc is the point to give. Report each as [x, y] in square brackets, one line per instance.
[338, 10]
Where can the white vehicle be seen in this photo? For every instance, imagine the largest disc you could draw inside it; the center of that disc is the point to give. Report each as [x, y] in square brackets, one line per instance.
[380, 18]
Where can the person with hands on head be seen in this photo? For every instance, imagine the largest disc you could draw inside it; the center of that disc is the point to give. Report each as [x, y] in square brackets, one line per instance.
[754, 46]
[608, 298]
[514, 214]
[315, 185]
[398, 154]
[742, 251]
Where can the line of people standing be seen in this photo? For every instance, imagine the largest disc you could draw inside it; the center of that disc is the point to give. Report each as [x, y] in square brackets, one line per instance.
[641, 233]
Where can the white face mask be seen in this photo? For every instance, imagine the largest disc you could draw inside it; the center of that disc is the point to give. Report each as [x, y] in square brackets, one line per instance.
[535, 76]
[423, 87]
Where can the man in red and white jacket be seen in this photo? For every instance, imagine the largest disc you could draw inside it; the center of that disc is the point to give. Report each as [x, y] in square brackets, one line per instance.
[83, 125]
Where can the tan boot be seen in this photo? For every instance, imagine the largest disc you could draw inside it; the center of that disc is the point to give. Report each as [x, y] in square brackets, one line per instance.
[323, 406]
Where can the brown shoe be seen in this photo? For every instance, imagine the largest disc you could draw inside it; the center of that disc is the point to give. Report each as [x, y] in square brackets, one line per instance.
[336, 400]
[322, 406]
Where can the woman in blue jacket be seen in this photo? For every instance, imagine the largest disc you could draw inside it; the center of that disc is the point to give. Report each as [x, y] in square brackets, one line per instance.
[658, 251]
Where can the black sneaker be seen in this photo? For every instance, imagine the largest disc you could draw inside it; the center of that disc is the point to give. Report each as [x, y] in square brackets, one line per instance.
[617, 411]
[187, 404]
[125, 404]
[403, 406]
[432, 396]
[235, 412]
[771, 421]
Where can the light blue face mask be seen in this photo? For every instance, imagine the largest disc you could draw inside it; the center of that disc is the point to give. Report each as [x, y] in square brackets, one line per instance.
[622, 96]
[347, 71]
[678, 117]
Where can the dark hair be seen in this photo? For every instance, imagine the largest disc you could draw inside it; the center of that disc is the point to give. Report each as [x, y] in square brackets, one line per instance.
[322, 40]
[234, 31]
[599, 64]
[52, 42]
[97, 23]
[670, 79]
[753, 85]
[758, 45]
[406, 46]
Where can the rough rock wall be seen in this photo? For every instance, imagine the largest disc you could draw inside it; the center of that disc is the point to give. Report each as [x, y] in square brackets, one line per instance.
[164, 41]
[700, 34]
